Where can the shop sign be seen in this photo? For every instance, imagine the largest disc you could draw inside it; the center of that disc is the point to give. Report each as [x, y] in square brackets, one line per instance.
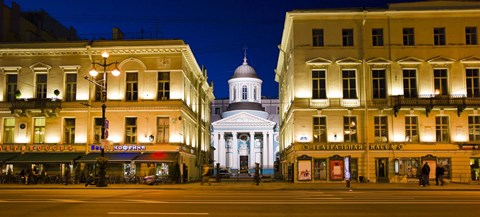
[47, 148]
[329, 147]
[129, 148]
[386, 147]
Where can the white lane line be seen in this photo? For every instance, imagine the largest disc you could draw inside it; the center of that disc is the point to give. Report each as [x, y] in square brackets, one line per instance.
[146, 201]
[155, 213]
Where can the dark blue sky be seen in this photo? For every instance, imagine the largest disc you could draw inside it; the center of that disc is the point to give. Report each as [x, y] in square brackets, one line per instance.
[216, 30]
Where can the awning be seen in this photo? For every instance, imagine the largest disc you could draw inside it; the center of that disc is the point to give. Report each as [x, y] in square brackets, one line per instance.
[7, 156]
[45, 158]
[158, 157]
[112, 157]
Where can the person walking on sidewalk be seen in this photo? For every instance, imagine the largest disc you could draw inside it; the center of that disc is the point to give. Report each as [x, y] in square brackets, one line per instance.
[256, 177]
[439, 172]
[425, 174]
[67, 175]
[206, 174]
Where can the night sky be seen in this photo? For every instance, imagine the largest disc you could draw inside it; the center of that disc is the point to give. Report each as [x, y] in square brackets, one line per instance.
[217, 31]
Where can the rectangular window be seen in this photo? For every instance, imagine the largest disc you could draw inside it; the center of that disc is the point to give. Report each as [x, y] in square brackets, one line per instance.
[39, 130]
[471, 36]
[350, 129]
[319, 129]
[319, 89]
[317, 37]
[440, 80]
[163, 86]
[379, 84]
[409, 167]
[11, 87]
[8, 130]
[411, 129]
[99, 89]
[473, 86]
[347, 37]
[410, 83]
[41, 86]
[349, 84]
[97, 131]
[131, 88]
[320, 169]
[163, 130]
[439, 36]
[377, 37]
[69, 130]
[474, 128]
[408, 37]
[71, 87]
[381, 129]
[130, 130]
[217, 110]
[441, 129]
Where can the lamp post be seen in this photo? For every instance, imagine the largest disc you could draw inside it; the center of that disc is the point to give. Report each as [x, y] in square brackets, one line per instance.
[102, 84]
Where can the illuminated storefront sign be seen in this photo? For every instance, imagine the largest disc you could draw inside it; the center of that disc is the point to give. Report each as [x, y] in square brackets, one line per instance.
[119, 147]
[36, 148]
[329, 147]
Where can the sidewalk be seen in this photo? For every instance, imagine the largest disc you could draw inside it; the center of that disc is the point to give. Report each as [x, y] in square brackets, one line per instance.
[233, 186]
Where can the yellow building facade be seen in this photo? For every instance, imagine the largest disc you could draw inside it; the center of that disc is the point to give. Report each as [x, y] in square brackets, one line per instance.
[157, 109]
[380, 92]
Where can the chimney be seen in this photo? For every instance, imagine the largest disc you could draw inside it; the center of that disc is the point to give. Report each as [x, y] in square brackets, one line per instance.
[117, 34]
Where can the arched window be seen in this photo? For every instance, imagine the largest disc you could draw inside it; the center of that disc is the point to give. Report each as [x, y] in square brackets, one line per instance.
[244, 92]
[255, 93]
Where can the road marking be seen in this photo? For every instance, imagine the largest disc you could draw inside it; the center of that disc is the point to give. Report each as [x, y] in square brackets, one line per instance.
[146, 201]
[68, 200]
[155, 213]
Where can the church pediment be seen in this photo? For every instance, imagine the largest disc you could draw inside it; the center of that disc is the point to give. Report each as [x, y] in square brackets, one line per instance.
[243, 119]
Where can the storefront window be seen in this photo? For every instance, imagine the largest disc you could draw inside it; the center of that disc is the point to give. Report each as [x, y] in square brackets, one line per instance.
[129, 169]
[354, 168]
[162, 169]
[445, 162]
[475, 169]
[408, 167]
[320, 169]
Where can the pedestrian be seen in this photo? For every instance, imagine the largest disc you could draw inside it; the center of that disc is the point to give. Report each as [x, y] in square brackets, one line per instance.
[29, 175]
[425, 174]
[256, 177]
[23, 176]
[439, 172]
[67, 175]
[89, 180]
[206, 174]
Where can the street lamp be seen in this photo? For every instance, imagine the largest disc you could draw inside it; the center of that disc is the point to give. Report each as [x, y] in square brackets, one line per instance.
[102, 84]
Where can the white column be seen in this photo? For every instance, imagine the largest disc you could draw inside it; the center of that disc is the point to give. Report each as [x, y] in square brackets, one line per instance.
[216, 154]
[271, 158]
[236, 159]
[264, 151]
[221, 150]
[251, 158]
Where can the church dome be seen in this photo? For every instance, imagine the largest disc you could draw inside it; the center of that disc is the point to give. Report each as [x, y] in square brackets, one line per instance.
[245, 71]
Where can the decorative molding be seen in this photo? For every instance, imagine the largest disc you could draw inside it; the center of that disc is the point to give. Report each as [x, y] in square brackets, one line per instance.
[410, 61]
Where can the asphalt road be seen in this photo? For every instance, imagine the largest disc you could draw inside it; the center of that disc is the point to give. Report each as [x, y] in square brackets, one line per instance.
[139, 202]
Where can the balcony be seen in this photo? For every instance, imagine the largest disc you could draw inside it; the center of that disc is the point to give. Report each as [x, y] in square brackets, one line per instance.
[42, 107]
[429, 101]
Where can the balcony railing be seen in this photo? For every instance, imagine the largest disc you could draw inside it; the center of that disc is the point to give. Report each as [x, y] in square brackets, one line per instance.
[36, 103]
[429, 101]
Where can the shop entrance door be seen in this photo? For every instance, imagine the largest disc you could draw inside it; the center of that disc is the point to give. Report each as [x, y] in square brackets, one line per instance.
[244, 164]
[381, 165]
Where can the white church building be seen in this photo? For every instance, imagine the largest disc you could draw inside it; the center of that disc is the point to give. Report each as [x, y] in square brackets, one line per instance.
[244, 127]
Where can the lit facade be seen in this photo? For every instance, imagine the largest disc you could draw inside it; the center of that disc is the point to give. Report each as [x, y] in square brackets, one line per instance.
[391, 88]
[157, 109]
